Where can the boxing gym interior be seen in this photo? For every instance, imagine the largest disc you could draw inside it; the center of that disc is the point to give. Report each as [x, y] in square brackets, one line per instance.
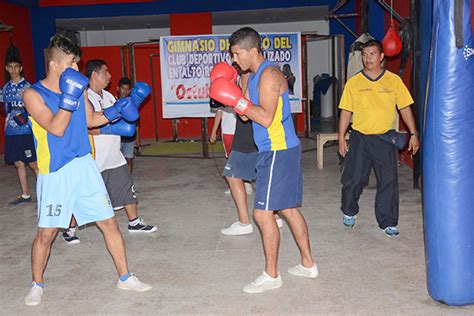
[193, 268]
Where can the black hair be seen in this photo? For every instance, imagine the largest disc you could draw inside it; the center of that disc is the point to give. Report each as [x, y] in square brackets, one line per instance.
[373, 42]
[93, 65]
[64, 44]
[246, 38]
[124, 81]
[10, 60]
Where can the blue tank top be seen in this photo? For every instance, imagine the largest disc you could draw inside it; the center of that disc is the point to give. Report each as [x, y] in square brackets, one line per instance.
[13, 99]
[54, 152]
[281, 133]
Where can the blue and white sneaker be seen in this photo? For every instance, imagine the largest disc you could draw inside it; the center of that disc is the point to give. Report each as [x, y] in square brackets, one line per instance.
[133, 284]
[349, 221]
[34, 295]
[391, 231]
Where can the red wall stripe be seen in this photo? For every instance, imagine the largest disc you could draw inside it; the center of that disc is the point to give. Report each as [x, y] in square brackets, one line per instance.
[19, 18]
[191, 24]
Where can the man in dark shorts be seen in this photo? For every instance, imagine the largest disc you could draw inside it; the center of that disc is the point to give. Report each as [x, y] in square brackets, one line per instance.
[240, 167]
[19, 144]
[279, 181]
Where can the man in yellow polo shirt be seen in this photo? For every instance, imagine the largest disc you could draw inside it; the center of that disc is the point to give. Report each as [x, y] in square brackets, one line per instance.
[372, 97]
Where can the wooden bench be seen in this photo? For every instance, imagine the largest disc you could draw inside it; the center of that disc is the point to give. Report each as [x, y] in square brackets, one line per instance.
[321, 139]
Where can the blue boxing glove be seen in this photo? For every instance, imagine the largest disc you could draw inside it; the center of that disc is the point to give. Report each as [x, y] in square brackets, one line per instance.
[121, 128]
[123, 108]
[72, 84]
[140, 92]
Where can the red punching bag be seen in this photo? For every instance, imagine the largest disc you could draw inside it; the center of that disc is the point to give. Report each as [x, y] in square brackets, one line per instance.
[392, 43]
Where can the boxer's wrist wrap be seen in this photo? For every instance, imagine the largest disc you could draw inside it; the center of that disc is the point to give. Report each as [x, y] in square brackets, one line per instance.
[242, 106]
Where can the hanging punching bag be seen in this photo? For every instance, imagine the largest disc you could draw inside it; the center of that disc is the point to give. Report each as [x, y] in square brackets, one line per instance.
[392, 43]
[448, 156]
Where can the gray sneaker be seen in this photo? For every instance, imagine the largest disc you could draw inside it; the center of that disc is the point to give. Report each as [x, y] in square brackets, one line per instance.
[20, 199]
[70, 238]
[142, 227]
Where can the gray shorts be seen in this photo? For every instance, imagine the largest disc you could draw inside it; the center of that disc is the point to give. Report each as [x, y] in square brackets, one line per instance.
[241, 165]
[119, 184]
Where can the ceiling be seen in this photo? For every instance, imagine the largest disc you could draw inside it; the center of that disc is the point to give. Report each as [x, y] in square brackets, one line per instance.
[218, 18]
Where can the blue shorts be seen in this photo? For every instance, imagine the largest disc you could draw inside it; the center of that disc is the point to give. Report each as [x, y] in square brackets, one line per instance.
[279, 183]
[128, 149]
[241, 165]
[20, 148]
[77, 188]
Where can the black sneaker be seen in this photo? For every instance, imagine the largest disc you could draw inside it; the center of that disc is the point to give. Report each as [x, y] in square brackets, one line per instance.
[70, 237]
[141, 227]
[20, 199]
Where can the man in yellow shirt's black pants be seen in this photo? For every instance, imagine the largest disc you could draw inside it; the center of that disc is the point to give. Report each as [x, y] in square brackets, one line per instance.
[372, 97]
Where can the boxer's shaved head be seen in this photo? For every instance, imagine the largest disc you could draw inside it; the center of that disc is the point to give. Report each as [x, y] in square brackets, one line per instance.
[246, 38]
[60, 46]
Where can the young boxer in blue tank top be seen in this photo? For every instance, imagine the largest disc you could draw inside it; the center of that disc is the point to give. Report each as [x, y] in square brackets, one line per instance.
[69, 181]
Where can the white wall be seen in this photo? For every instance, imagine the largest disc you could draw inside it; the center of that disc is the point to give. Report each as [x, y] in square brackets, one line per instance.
[318, 52]
[120, 37]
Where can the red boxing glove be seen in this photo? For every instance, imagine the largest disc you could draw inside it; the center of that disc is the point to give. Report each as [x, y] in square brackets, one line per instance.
[224, 70]
[229, 93]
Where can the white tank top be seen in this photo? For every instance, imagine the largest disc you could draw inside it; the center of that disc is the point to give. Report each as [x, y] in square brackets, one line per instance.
[107, 147]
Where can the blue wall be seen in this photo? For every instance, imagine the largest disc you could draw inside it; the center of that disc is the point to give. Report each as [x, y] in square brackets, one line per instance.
[337, 28]
[376, 20]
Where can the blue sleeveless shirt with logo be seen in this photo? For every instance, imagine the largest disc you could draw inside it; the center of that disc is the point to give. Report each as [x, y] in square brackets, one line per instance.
[54, 152]
[281, 134]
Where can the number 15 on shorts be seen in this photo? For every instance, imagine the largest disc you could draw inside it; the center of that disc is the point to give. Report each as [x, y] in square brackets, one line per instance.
[53, 209]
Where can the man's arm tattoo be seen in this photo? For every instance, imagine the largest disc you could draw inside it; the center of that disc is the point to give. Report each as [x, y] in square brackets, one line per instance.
[275, 81]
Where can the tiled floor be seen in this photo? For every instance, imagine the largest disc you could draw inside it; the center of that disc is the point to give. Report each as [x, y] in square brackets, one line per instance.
[195, 270]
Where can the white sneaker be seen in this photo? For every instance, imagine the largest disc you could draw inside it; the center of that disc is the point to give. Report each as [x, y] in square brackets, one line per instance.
[302, 271]
[34, 295]
[227, 192]
[133, 284]
[279, 222]
[263, 283]
[237, 229]
[248, 187]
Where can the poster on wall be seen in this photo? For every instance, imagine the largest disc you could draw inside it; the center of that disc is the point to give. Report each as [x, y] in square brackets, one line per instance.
[186, 62]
